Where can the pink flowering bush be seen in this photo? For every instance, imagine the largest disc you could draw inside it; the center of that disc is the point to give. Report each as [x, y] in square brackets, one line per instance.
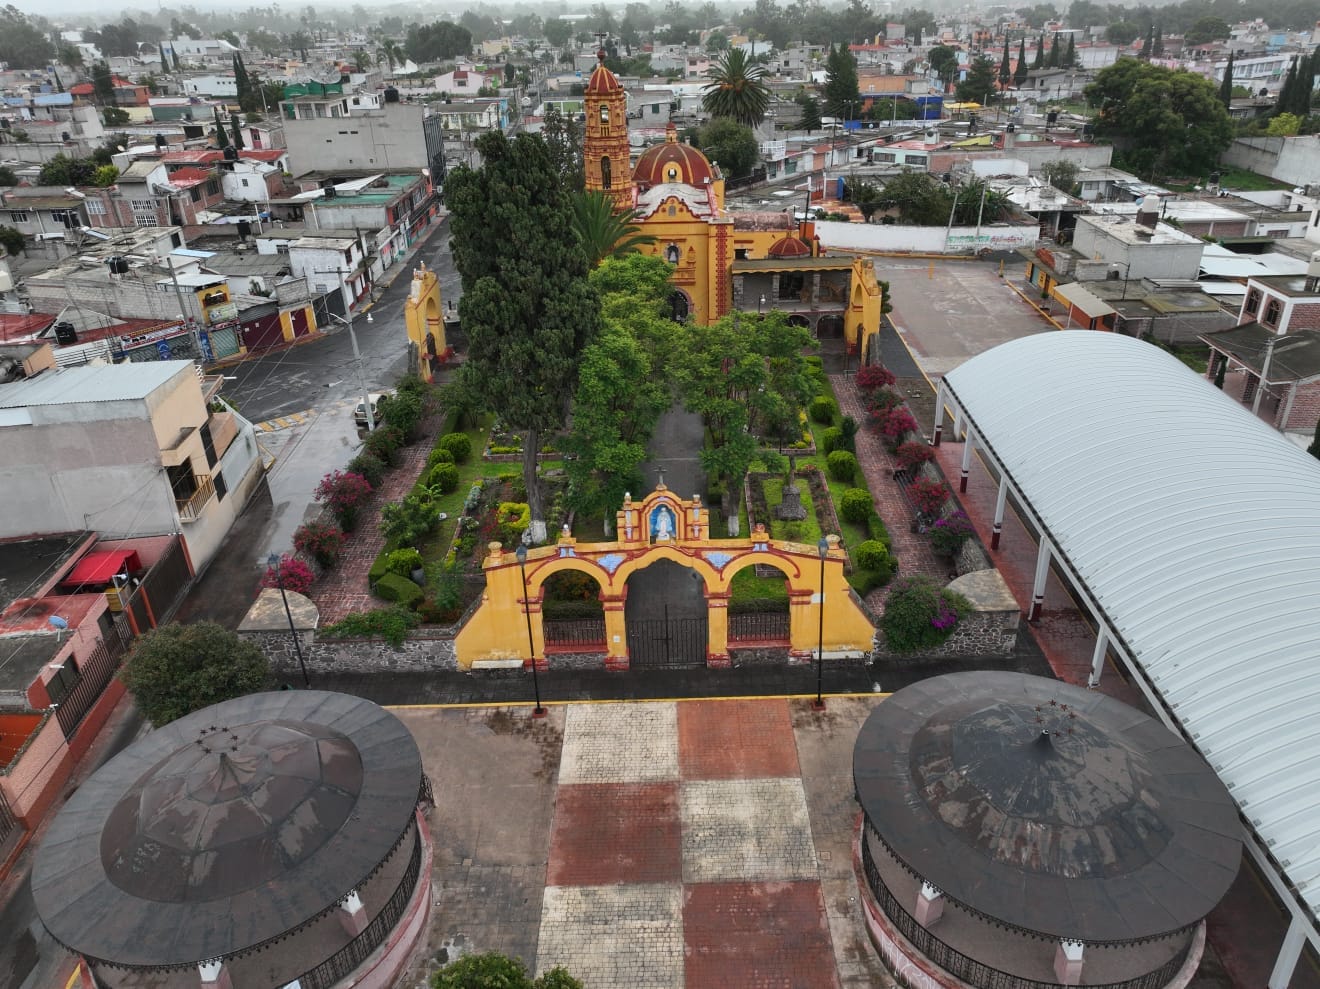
[895, 425]
[928, 496]
[947, 535]
[322, 541]
[344, 493]
[919, 614]
[873, 376]
[293, 573]
[912, 454]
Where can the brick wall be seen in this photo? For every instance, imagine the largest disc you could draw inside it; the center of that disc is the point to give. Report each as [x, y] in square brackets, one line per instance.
[30, 780]
[1305, 411]
[1304, 316]
[983, 633]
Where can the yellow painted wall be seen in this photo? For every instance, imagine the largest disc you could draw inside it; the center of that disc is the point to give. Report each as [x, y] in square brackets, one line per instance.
[423, 318]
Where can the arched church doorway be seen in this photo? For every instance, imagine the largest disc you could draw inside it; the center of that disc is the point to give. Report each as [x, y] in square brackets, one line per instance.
[830, 328]
[665, 615]
[679, 306]
[572, 615]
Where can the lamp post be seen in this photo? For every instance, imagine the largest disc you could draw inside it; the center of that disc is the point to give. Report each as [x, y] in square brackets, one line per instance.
[1127, 269]
[823, 547]
[521, 554]
[274, 561]
[362, 377]
[760, 305]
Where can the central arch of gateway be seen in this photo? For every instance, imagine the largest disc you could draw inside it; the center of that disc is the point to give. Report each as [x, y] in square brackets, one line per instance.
[663, 532]
[1190, 531]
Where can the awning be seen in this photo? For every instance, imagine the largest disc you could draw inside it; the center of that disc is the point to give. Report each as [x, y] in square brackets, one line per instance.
[1092, 306]
[99, 566]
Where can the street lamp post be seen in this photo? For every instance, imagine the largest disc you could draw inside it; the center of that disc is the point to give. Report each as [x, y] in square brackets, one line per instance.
[521, 554]
[823, 547]
[760, 305]
[362, 377]
[1127, 270]
[274, 561]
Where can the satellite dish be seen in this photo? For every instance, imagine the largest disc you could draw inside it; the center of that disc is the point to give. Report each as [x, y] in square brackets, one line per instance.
[58, 622]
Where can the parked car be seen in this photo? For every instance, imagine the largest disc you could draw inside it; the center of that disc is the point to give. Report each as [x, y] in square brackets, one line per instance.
[378, 399]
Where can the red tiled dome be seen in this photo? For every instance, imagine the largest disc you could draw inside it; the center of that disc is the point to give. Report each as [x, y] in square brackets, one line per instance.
[790, 247]
[672, 162]
[602, 79]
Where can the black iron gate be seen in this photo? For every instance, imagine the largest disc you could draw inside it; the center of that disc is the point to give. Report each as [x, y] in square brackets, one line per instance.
[10, 828]
[666, 642]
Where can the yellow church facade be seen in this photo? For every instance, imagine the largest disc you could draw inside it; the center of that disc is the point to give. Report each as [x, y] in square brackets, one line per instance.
[722, 261]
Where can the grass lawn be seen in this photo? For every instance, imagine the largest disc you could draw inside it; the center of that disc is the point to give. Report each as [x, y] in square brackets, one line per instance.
[437, 544]
[746, 586]
[806, 531]
[1235, 180]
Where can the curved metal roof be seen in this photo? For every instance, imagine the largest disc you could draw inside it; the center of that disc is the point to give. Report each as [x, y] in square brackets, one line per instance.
[1047, 807]
[227, 828]
[1196, 529]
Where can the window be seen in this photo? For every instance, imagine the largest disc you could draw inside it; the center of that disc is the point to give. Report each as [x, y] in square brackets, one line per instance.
[144, 212]
[245, 182]
[95, 207]
[792, 285]
[1273, 310]
[604, 114]
[605, 176]
[195, 193]
[212, 188]
[221, 488]
[1253, 302]
[18, 215]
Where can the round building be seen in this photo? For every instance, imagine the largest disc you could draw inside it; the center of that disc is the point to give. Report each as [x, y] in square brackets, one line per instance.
[1020, 831]
[273, 839]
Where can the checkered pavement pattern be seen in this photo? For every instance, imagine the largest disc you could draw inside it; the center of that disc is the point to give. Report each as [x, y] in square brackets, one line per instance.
[681, 854]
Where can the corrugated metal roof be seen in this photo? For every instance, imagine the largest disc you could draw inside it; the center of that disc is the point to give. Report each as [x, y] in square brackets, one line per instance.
[93, 383]
[1196, 528]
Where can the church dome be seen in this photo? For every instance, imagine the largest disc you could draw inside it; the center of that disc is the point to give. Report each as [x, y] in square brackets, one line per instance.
[602, 80]
[673, 162]
[790, 247]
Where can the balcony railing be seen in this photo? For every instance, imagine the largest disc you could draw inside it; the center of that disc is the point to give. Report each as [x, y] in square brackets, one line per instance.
[190, 508]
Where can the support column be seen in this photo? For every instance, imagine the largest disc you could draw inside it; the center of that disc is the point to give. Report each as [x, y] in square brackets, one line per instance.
[957, 424]
[930, 905]
[1001, 500]
[717, 634]
[1068, 963]
[352, 914]
[966, 469]
[1098, 657]
[802, 618]
[1038, 585]
[939, 415]
[616, 632]
[214, 974]
[1289, 952]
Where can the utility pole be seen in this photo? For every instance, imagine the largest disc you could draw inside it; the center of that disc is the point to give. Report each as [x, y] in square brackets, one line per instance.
[1264, 373]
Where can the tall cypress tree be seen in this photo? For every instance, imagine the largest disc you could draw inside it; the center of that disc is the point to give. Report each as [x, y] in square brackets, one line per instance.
[1226, 84]
[1287, 95]
[1307, 69]
[164, 62]
[1052, 62]
[1004, 74]
[237, 131]
[174, 53]
[1020, 70]
[240, 82]
[1070, 59]
[1039, 61]
[221, 138]
[1148, 48]
[1158, 50]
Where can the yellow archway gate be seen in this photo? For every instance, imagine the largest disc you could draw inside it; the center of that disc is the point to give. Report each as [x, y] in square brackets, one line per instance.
[423, 319]
[662, 527]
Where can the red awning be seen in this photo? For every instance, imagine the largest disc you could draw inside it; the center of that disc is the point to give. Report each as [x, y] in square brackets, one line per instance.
[99, 566]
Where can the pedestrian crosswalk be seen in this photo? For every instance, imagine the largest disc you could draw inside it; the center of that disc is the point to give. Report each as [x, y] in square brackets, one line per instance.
[285, 422]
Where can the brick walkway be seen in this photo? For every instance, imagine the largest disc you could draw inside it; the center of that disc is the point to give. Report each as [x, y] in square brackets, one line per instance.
[344, 589]
[912, 549]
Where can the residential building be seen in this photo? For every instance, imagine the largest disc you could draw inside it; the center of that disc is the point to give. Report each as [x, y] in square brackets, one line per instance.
[392, 136]
[127, 93]
[466, 80]
[203, 50]
[1139, 246]
[333, 262]
[43, 212]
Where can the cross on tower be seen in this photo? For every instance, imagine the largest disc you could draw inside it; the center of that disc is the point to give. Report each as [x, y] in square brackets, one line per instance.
[660, 476]
[601, 38]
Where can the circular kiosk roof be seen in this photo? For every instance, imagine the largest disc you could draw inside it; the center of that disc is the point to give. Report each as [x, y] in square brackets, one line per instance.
[1047, 807]
[227, 828]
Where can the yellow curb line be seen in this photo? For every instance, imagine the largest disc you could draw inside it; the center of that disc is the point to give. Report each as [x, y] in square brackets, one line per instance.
[629, 700]
[73, 980]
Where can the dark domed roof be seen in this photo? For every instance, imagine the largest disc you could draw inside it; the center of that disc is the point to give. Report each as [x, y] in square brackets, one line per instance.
[672, 162]
[227, 828]
[1046, 806]
[790, 247]
[602, 79]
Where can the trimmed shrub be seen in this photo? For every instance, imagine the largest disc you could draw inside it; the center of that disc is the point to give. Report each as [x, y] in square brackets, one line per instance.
[322, 541]
[875, 525]
[344, 492]
[855, 506]
[380, 566]
[294, 574]
[870, 555]
[921, 615]
[412, 384]
[831, 439]
[882, 401]
[403, 561]
[390, 624]
[444, 477]
[928, 496]
[403, 412]
[408, 521]
[458, 445]
[384, 442]
[823, 410]
[400, 590]
[369, 466]
[848, 426]
[866, 581]
[842, 466]
[912, 454]
[947, 535]
[439, 456]
[513, 518]
[873, 376]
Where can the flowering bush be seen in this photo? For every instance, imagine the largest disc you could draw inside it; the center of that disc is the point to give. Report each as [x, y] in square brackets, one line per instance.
[873, 376]
[291, 572]
[344, 492]
[882, 401]
[928, 496]
[920, 615]
[384, 442]
[947, 535]
[895, 425]
[322, 541]
[912, 454]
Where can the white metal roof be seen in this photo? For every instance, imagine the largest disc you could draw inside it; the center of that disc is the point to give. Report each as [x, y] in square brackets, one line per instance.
[1196, 528]
[91, 383]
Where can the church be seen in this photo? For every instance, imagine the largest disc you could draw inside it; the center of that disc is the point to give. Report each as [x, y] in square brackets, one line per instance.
[723, 262]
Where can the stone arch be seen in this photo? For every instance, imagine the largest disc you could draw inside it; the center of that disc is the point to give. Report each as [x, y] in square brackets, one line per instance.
[792, 572]
[830, 328]
[797, 319]
[536, 578]
[680, 305]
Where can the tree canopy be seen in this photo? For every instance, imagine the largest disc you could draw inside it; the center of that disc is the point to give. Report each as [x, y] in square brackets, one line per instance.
[979, 85]
[736, 89]
[842, 97]
[601, 231]
[730, 144]
[496, 971]
[527, 307]
[437, 41]
[177, 669]
[22, 44]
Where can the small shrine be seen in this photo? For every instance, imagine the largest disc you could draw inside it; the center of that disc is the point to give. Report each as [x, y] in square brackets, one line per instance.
[662, 517]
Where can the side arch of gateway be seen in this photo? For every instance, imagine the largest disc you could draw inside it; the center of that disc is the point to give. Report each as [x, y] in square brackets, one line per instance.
[662, 527]
[1186, 528]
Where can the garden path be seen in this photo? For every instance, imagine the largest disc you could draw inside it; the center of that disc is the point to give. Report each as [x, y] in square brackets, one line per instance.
[913, 550]
[344, 589]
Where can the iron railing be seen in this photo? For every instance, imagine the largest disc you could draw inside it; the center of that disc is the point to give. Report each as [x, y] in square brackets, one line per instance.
[346, 960]
[190, 508]
[10, 826]
[585, 634]
[977, 973]
[425, 795]
[770, 626]
[95, 670]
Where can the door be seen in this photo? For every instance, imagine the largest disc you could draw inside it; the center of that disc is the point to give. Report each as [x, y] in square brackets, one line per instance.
[665, 616]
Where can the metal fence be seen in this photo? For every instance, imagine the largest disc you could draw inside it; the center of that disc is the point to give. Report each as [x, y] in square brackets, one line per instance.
[344, 961]
[10, 827]
[584, 634]
[95, 671]
[770, 626]
[970, 970]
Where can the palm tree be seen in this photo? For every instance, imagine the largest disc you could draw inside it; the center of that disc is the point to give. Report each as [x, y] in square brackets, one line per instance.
[602, 232]
[361, 60]
[392, 53]
[736, 89]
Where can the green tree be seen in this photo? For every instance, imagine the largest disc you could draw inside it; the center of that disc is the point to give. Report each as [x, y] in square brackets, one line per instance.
[496, 971]
[7, 176]
[13, 241]
[1149, 46]
[114, 117]
[1052, 61]
[242, 84]
[1060, 173]
[391, 53]
[557, 32]
[221, 138]
[434, 42]
[867, 197]
[810, 119]
[1157, 48]
[236, 130]
[103, 84]
[263, 41]
[731, 144]
[1209, 28]
[105, 175]
[362, 60]
[893, 109]
[1020, 70]
[177, 669]
[1121, 33]
[1039, 61]
[842, 96]
[1069, 59]
[1005, 75]
[1226, 84]
[563, 139]
[62, 170]
[944, 63]
[22, 44]
[717, 41]
[1284, 125]
[601, 232]
[979, 85]
[736, 89]
[920, 199]
[527, 306]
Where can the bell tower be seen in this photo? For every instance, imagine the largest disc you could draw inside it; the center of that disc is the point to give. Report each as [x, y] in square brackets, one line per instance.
[605, 146]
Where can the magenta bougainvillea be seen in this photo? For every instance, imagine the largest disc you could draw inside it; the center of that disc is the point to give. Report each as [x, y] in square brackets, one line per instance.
[344, 492]
[293, 573]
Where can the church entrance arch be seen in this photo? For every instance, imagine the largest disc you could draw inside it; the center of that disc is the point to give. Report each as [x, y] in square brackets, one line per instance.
[572, 613]
[680, 306]
[665, 614]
